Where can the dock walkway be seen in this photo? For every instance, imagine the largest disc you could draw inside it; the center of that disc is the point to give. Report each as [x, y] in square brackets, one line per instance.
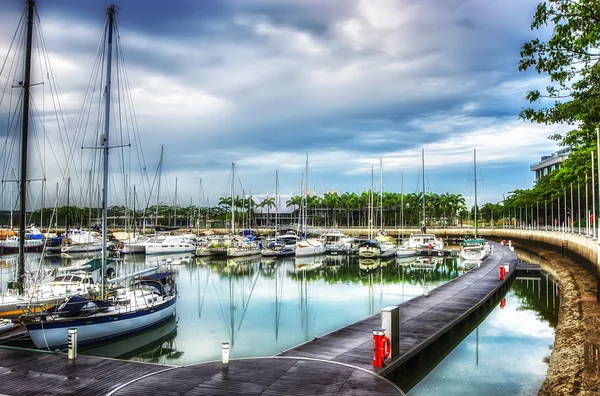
[39, 373]
[423, 319]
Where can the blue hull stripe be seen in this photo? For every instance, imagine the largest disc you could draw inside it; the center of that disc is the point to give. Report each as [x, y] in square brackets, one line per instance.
[92, 320]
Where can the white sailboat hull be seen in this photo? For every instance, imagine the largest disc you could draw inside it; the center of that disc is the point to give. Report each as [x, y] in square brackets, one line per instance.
[235, 252]
[100, 327]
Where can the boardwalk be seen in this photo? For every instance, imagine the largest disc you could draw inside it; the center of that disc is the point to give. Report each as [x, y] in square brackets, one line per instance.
[35, 373]
[422, 319]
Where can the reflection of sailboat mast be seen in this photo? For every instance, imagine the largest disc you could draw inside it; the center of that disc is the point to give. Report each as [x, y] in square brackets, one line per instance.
[304, 304]
[278, 294]
[371, 295]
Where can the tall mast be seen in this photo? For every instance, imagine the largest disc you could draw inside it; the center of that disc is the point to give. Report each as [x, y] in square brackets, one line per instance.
[134, 209]
[232, 197]
[423, 166]
[371, 203]
[200, 202]
[276, 200]
[175, 206]
[106, 140]
[162, 150]
[68, 206]
[475, 176]
[305, 198]
[402, 203]
[24, 144]
[381, 192]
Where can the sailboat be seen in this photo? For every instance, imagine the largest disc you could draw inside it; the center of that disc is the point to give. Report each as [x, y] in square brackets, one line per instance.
[424, 240]
[121, 310]
[371, 248]
[219, 244]
[475, 248]
[385, 241]
[303, 246]
[403, 251]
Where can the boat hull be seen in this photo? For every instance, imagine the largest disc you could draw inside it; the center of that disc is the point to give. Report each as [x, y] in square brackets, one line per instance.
[233, 252]
[169, 249]
[100, 328]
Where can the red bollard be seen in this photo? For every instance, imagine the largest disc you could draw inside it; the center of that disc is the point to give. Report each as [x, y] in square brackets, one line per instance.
[502, 272]
[503, 303]
[381, 348]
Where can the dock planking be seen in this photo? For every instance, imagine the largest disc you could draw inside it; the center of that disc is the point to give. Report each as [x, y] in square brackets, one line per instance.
[423, 319]
[33, 372]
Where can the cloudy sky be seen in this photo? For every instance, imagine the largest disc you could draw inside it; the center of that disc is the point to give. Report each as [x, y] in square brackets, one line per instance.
[263, 82]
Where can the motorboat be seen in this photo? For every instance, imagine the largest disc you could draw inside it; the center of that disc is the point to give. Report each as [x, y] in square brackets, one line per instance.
[372, 249]
[424, 241]
[168, 245]
[474, 249]
[241, 247]
[306, 248]
[283, 246]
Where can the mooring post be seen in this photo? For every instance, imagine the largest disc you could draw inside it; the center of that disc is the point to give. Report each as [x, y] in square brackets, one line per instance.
[390, 321]
[225, 353]
[72, 344]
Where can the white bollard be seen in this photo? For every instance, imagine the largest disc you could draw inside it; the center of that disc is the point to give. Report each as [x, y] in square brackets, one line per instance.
[426, 291]
[225, 353]
[509, 243]
[506, 268]
[72, 344]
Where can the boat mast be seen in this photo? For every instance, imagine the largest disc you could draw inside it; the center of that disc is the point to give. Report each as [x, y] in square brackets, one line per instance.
[402, 204]
[68, 206]
[162, 150]
[106, 141]
[371, 203]
[276, 200]
[423, 166]
[134, 210]
[24, 144]
[175, 206]
[304, 223]
[475, 176]
[232, 198]
[381, 192]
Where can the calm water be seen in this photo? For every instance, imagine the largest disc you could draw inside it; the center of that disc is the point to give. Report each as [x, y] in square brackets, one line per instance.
[262, 307]
[506, 354]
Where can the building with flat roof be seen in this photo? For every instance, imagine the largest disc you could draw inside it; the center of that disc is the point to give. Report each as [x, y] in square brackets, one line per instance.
[550, 163]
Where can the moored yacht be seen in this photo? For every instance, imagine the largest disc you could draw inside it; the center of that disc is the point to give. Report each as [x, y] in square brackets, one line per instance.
[474, 249]
[169, 244]
[424, 241]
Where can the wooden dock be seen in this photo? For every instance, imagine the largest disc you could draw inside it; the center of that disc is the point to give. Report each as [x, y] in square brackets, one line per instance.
[422, 319]
[42, 373]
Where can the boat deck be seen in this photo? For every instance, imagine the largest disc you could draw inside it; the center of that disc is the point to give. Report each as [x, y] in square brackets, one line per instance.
[39, 373]
[423, 319]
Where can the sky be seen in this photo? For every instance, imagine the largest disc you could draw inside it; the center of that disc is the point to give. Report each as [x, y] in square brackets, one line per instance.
[264, 83]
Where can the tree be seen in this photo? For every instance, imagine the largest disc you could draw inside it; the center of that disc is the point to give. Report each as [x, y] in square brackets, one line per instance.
[269, 203]
[570, 58]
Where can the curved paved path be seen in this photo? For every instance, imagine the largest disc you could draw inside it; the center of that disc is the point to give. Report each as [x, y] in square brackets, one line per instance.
[261, 376]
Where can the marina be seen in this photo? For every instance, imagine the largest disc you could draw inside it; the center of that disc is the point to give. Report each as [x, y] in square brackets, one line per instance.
[142, 249]
[330, 346]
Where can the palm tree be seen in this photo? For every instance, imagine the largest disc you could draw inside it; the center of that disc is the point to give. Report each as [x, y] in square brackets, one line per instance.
[269, 203]
[295, 202]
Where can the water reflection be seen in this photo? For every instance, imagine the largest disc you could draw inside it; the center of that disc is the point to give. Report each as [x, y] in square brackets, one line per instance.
[264, 306]
[504, 353]
[150, 346]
